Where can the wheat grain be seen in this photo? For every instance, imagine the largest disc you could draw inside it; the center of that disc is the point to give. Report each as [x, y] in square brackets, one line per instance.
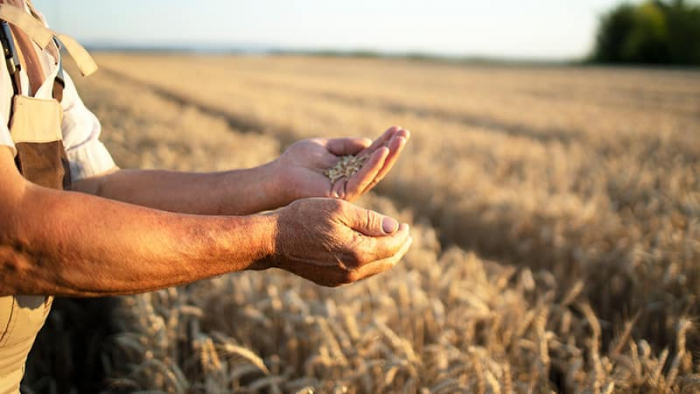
[346, 167]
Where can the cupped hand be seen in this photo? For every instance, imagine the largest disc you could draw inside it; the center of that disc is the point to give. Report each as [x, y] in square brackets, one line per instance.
[332, 242]
[302, 166]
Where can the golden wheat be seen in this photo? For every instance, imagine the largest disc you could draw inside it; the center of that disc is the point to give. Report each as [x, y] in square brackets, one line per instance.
[556, 222]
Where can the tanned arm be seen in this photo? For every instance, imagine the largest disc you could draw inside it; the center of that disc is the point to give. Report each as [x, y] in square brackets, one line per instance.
[297, 173]
[65, 243]
[74, 244]
[236, 192]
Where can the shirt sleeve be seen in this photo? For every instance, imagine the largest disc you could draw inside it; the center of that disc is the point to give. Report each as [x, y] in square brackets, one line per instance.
[81, 132]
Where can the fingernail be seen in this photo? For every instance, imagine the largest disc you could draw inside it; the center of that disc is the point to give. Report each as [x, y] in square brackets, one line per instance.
[389, 225]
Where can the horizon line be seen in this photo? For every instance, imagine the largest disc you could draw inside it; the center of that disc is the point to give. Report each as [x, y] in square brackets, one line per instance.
[269, 49]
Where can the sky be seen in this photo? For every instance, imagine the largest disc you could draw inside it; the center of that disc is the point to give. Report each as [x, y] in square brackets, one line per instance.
[512, 29]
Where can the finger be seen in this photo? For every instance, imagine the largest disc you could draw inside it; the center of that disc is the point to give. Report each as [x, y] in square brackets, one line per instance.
[383, 139]
[379, 266]
[396, 146]
[338, 188]
[336, 276]
[403, 133]
[367, 222]
[347, 146]
[379, 248]
[330, 276]
[362, 179]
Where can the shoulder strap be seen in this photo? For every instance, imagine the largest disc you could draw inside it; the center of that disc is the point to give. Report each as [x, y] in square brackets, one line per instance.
[42, 36]
[86, 64]
[19, 17]
[59, 83]
[11, 58]
[53, 50]
[14, 66]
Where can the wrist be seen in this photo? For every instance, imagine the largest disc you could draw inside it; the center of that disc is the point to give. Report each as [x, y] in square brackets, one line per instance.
[264, 240]
[278, 184]
[247, 191]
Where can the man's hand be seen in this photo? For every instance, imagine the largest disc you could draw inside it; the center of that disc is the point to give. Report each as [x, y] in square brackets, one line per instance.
[301, 166]
[332, 242]
[297, 174]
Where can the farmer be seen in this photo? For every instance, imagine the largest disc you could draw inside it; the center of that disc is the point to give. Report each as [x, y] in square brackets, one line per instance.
[73, 224]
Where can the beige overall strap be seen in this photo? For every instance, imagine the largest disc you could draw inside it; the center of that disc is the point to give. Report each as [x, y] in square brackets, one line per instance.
[42, 36]
[81, 57]
[20, 18]
[86, 64]
[53, 50]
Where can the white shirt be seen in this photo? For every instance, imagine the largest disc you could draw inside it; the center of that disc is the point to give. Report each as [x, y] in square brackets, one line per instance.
[80, 128]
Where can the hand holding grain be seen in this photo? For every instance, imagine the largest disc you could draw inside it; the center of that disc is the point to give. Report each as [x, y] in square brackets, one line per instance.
[364, 169]
[344, 168]
[332, 242]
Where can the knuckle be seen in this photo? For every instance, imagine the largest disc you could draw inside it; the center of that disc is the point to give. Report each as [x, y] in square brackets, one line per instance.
[357, 259]
[301, 205]
[370, 219]
[336, 206]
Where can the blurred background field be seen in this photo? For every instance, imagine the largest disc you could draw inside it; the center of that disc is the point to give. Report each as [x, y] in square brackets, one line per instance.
[556, 212]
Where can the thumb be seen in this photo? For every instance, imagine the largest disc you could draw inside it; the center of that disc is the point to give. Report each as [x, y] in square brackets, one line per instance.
[372, 224]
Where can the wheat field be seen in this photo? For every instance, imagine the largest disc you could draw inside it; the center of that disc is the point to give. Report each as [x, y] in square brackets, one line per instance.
[555, 214]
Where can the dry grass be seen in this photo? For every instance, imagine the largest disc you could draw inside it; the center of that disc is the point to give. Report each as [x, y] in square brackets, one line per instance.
[557, 229]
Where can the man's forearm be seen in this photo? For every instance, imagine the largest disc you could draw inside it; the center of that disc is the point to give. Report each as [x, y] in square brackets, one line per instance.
[237, 192]
[65, 243]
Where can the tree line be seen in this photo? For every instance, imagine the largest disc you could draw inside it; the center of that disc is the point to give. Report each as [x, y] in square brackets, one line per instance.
[652, 32]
